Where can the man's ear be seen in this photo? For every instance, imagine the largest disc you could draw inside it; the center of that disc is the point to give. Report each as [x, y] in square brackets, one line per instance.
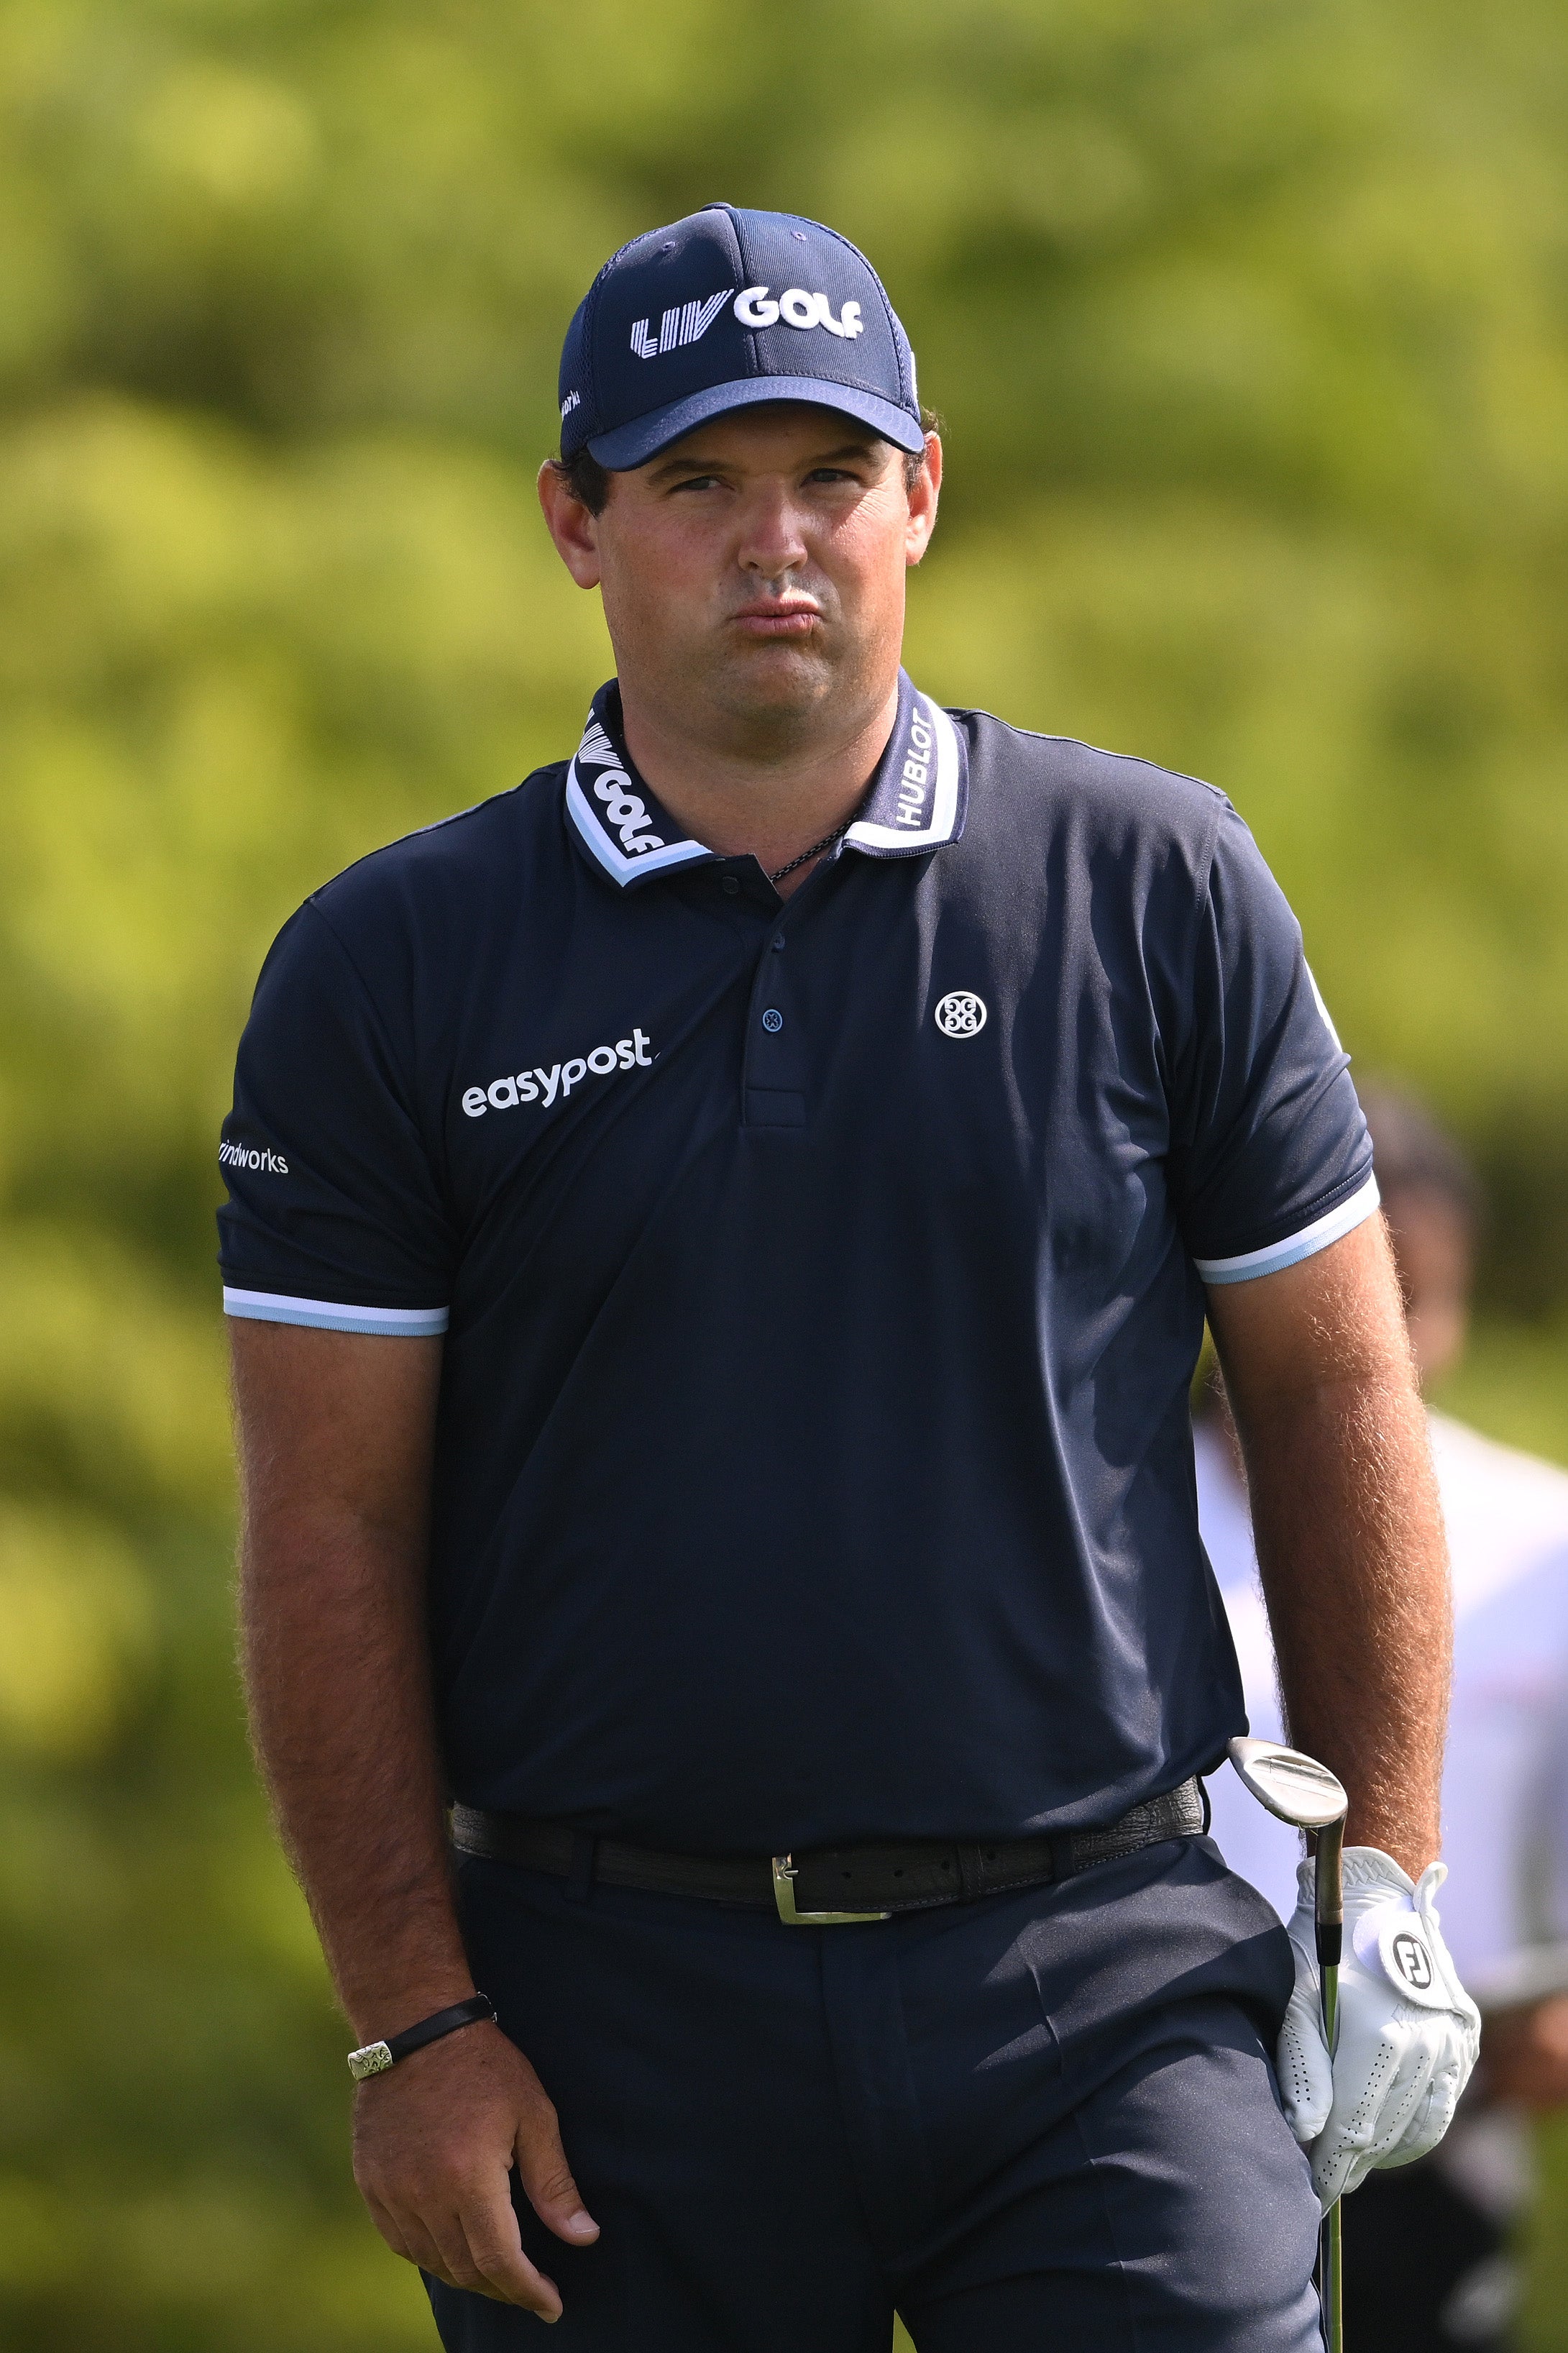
[571, 525]
[923, 497]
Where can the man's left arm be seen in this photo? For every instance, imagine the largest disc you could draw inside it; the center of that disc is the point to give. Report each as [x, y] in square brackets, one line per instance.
[1348, 1528]
[1350, 1546]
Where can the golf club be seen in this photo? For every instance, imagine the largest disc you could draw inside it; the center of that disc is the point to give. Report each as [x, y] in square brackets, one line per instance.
[1301, 1791]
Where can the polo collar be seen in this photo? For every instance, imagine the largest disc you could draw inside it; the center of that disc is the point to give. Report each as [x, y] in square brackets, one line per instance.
[917, 799]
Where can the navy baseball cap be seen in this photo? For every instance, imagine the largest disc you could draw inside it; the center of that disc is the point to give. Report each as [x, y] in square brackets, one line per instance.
[719, 311]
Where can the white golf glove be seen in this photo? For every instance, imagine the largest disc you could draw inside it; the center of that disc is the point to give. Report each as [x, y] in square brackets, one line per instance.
[1407, 2034]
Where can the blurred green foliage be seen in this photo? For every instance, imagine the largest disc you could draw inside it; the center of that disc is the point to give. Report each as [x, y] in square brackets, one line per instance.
[1249, 323]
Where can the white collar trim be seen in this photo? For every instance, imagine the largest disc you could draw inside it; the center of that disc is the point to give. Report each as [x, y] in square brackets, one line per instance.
[617, 817]
[917, 803]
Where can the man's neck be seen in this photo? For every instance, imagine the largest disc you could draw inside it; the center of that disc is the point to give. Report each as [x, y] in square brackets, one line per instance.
[772, 795]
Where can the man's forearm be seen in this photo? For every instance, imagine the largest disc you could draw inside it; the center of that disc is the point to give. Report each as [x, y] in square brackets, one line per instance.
[1348, 1528]
[340, 1716]
[336, 1434]
[1350, 1546]
[336, 1441]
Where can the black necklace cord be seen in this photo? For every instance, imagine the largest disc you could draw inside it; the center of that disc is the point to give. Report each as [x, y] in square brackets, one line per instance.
[815, 851]
[828, 840]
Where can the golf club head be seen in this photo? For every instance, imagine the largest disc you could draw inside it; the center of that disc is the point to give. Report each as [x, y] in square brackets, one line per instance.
[1295, 1788]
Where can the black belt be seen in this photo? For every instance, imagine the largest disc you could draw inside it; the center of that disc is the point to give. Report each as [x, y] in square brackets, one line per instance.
[835, 1885]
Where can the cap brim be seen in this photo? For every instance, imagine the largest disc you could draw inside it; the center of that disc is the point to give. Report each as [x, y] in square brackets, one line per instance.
[633, 444]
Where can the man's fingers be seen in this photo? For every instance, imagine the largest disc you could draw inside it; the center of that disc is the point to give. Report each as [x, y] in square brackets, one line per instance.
[1302, 2064]
[1433, 2114]
[1409, 2099]
[405, 2230]
[476, 2247]
[406, 2234]
[494, 2247]
[1385, 2088]
[467, 2247]
[387, 2224]
[547, 2179]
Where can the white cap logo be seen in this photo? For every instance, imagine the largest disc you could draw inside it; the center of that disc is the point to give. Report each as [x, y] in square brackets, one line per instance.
[756, 308]
[961, 1014]
[686, 323]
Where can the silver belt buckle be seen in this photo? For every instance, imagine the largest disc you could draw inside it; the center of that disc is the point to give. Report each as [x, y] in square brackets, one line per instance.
[783, 1897]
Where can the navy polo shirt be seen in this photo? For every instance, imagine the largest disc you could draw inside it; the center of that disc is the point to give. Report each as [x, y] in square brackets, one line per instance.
[821, 1282]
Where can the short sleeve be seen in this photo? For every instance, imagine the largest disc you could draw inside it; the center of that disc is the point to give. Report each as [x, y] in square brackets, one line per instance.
[334, 1214]
[1271, 1159]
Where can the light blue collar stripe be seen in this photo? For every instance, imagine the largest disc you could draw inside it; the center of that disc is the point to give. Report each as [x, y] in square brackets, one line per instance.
[332, 1316]
[615, 862]
[1294, 1248]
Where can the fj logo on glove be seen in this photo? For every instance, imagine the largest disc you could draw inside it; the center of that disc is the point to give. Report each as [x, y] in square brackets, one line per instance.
[1413, 1961]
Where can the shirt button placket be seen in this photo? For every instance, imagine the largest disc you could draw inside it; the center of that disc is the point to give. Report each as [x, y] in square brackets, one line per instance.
[775, 1075]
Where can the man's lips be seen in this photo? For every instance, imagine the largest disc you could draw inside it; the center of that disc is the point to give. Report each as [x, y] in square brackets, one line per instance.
[778, 618]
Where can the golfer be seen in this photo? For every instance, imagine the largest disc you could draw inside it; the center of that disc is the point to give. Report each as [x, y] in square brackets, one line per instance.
[718, 1239]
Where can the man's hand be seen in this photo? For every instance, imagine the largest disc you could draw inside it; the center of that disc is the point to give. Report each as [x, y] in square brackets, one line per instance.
[1406, 2034]
[434, 2141]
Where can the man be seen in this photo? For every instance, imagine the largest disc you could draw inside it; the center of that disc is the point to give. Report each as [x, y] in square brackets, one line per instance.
[1425, 2260]
[719, 1242]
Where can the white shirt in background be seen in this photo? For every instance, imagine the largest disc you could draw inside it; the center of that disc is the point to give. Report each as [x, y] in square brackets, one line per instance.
[1505, 1783]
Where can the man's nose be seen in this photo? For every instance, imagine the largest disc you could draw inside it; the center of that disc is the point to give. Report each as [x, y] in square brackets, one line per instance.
[773, 544]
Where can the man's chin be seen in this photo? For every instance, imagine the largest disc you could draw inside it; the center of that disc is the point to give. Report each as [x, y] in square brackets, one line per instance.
[782, 680]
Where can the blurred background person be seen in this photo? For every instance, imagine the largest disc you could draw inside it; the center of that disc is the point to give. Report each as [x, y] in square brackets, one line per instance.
[1427, 2246]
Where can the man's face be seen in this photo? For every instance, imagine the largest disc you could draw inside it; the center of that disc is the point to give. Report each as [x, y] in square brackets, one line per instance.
[753, 574]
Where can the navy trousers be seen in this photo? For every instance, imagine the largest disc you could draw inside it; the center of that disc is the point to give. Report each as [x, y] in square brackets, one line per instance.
[1046, 2120]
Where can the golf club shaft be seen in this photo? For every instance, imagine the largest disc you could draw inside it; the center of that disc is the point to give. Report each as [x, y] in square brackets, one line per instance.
[1329, 1905]
[1297, 1790]
[1329, 2268]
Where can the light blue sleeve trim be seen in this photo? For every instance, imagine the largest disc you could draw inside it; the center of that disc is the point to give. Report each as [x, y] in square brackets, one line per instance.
[1311, 1239]
[329, 1315]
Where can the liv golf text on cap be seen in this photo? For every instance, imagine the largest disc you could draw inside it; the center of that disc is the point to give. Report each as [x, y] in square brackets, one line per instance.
[719, 310]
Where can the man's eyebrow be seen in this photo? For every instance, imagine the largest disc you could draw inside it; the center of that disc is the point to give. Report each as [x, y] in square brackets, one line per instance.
[672, 467]
[866, 447]
[668, 465]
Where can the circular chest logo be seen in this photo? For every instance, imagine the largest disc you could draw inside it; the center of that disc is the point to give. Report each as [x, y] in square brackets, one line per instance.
[961, 1014]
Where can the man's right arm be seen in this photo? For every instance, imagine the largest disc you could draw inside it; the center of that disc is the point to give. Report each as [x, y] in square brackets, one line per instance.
[336, 1433]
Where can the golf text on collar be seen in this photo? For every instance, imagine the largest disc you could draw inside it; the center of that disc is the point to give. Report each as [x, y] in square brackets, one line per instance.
[687, 322]
[536, 1086]
[625, 810]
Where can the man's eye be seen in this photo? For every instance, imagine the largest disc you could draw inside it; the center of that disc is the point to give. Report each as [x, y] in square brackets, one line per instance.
[833, 474]
[699, 483]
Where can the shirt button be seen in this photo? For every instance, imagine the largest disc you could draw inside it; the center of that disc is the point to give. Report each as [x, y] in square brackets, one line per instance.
[778, 945]
[729, 884]
[772, 1019]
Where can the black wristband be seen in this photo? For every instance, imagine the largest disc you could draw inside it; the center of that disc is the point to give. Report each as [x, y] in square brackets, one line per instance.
[374, 2058]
